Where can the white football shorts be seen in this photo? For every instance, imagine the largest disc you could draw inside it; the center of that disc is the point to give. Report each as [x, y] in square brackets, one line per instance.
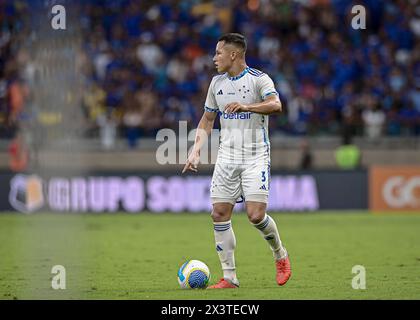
[234, 183]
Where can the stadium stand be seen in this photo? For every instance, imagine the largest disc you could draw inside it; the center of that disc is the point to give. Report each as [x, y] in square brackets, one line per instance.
[147, 65]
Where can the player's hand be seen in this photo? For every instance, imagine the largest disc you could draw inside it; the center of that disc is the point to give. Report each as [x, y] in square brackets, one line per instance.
[192, 162]
[236, 107]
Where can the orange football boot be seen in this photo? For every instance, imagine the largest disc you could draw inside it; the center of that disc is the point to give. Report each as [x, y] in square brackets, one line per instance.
[283, 271]
[224, 284]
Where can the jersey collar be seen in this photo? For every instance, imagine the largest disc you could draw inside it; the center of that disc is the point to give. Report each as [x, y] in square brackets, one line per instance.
[240, 75]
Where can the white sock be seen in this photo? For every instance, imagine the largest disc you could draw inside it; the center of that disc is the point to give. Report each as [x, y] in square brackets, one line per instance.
[225, 247]
[268, 230]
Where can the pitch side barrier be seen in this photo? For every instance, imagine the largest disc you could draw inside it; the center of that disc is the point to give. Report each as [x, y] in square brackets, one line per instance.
[102, 192]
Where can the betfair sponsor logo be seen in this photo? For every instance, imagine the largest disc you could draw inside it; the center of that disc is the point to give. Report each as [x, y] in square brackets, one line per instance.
[240, 116]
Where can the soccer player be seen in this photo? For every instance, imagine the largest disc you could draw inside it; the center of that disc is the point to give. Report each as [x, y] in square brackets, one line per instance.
[244, 98]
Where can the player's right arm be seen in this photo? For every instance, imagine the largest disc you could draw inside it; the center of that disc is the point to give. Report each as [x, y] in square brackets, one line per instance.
[203, 129]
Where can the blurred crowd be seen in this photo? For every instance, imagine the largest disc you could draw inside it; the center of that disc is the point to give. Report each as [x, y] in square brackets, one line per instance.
[148, 64]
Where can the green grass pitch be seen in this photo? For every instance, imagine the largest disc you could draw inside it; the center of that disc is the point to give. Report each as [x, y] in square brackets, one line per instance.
[123, 256]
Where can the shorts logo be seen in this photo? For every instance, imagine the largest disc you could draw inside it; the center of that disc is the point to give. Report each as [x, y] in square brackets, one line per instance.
[26, 194]
[220, 92]
[263, 187]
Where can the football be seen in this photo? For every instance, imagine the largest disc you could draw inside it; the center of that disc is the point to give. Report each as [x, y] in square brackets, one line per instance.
[193, 274]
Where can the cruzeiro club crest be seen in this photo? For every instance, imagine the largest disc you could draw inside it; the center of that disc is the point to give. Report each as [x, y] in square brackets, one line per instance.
[26, 193]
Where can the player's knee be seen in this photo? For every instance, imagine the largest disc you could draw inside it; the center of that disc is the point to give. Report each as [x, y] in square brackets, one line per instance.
[219, 215]
[255, 216]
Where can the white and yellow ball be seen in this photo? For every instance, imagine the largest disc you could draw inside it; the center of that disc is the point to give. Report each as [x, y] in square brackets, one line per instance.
[194, 274]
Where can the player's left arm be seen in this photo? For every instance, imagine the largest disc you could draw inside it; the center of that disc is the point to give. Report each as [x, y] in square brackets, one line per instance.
[270, 104]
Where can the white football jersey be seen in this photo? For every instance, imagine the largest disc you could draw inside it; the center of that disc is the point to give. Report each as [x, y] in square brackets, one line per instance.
[243, 136]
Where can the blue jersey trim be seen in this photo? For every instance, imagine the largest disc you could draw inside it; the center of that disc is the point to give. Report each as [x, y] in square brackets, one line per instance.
[246, 70]
[255, 72]
[210, 109]
[269, 93]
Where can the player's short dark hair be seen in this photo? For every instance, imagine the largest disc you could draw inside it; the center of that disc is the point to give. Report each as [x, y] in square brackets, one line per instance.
[234, 38]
